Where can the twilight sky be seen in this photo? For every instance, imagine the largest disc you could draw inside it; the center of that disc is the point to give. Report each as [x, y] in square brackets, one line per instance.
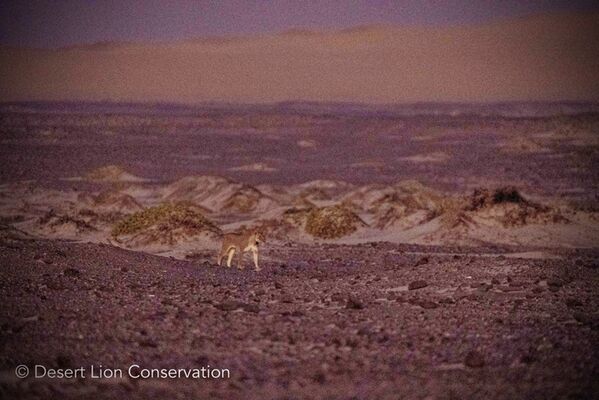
[38, 23]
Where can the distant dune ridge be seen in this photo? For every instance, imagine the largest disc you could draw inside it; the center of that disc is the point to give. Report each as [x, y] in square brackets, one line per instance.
[546, 57]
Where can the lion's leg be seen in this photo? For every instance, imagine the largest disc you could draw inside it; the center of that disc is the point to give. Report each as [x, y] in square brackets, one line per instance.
[240, 260]
[255, 254]
[221, 254]
[231, 254]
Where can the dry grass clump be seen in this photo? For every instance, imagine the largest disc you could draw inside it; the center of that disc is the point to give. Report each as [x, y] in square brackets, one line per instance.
[482, 197]
[332, 222]
[165, 217]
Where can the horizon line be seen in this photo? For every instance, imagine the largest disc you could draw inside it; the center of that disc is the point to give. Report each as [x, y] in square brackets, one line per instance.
[298, 31]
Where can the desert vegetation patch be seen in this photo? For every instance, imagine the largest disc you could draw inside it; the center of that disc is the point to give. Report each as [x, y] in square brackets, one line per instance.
[166, 218]
[509, 207]
[332, 222]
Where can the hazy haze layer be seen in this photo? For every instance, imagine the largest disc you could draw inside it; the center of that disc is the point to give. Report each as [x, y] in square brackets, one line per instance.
[551, 57]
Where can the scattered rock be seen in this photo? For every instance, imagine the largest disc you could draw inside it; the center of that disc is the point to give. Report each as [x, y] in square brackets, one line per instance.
[337, 297]
[417, 285]
[251, 308]
[147, 343]
[422, 261]
[510, 288]
[447, 300]
[320, 378]
[427, 304]
[229, 305]
[297, 313]
[74, 272]
[474, 359]
[528, 358]
[354, 304]
[33, 318]
[572, 302]
[587, 319]
[555, 282]
[287, 298]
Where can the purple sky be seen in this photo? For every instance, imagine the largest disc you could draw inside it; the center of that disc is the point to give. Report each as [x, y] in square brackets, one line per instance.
[65, 22]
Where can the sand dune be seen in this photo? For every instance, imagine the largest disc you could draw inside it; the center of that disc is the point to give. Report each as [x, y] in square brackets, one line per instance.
[544, 57]
[188, 214]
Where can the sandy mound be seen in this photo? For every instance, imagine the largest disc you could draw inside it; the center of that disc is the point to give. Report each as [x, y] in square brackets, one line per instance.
[321, 190]
[206, 190]
[504, 206]
[98, 218]
[112, 173]
[510, 208]
[111, 201]
[406, 203]
[165, 224]
[332, 222]
[216, 194]
[63, 225]
[105, 208]
[9, 234]
[247, 199]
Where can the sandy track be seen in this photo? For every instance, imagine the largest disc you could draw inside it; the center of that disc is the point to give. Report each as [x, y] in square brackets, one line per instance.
[319, 321]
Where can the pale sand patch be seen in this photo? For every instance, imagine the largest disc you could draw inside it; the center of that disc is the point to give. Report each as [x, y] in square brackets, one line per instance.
[199, 157]
[306, 143]
[368, 164]
[424, 138]
[519, 145]
[533, 255]
[255, 167]
[435, 157]
[108, 173]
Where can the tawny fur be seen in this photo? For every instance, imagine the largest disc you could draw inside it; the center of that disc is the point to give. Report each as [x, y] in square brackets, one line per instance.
[240, 242]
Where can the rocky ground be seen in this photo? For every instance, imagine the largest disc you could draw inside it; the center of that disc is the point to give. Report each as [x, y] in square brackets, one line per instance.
[320, 321]
[445, 252]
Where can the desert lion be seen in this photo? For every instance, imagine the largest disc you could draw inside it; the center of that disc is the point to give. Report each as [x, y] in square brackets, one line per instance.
[240, 242]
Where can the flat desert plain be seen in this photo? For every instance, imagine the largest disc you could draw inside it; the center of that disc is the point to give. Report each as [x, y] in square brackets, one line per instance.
[419, 251]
